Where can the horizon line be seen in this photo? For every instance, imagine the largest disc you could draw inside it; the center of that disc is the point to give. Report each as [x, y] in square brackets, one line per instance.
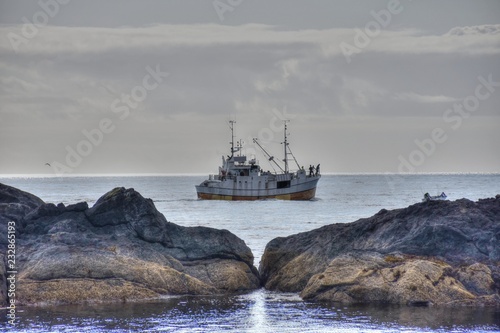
[197, 174]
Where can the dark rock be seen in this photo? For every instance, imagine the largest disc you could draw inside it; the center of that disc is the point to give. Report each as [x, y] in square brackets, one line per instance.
[9, 194]
[122, 206]
[3, 281]
[436, 252]
[78, 207]
[122, 249]
[14, 205]
[115, 207]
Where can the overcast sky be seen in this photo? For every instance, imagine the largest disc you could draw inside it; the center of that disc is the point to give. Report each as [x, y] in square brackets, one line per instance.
[149, 86]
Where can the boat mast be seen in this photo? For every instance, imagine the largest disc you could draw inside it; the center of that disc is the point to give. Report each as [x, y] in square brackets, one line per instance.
[285, 145]
[231, 126]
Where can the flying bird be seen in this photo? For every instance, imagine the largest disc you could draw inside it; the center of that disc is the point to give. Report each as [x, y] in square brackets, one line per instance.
[48, 164]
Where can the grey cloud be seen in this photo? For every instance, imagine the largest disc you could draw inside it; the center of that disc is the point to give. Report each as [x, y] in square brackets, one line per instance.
[487, 29]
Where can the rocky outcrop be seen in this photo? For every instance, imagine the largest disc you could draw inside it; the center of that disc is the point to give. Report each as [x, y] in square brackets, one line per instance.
[14, 205]
[437, 252]
[122, 249]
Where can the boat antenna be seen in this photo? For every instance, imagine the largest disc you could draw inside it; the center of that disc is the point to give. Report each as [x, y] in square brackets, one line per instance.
[240, 146]
[269, 157]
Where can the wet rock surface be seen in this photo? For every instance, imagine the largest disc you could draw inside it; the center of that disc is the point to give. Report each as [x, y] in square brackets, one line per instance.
[120, 249]
[437, 252]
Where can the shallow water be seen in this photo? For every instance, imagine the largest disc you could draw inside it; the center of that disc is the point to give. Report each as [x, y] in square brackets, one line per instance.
[260, 311]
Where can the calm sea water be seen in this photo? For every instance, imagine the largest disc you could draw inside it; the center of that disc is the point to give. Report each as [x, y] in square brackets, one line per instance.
[340, 198]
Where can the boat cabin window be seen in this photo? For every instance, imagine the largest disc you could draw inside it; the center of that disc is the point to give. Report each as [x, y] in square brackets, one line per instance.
[283, 184]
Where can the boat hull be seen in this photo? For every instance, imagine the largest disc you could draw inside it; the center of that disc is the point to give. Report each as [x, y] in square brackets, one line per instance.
[299, 189]
[304, 195]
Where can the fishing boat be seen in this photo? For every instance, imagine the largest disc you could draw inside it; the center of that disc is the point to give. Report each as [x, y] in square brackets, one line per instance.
[242, 179]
